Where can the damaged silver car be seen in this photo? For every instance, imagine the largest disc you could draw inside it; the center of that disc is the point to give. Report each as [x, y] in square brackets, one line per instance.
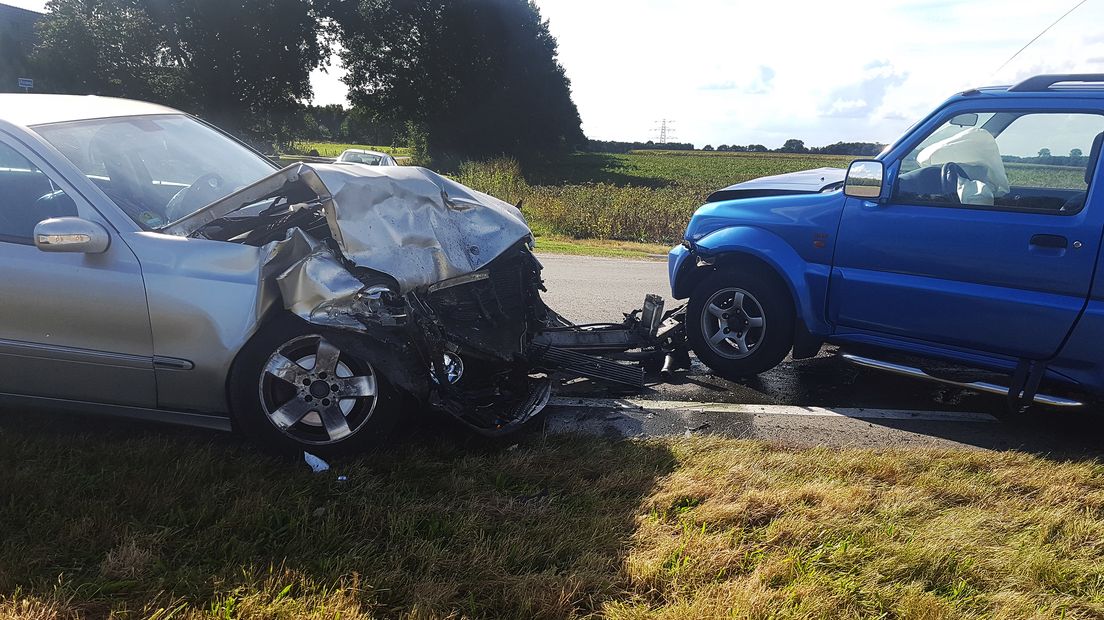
[156, 268]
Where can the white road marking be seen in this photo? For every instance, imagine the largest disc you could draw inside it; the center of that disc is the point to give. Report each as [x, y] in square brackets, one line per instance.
[636, 404]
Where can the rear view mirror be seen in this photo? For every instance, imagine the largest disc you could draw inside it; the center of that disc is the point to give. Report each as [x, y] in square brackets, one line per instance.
[864, 179]
[71, 234]
[965, 120]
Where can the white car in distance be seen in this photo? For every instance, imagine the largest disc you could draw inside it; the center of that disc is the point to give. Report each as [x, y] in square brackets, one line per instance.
[368, 158]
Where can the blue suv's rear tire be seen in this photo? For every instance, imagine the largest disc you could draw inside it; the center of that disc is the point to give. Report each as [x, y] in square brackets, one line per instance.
[740, 323]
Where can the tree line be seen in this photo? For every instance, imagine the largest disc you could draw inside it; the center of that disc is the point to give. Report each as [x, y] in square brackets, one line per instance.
[793, 145]
[459, 78]
[614, 146]
[1076, 158]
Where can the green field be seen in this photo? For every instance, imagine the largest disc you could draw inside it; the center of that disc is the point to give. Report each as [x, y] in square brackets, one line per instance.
[156, 523]
[1038, 175]
[644, 196]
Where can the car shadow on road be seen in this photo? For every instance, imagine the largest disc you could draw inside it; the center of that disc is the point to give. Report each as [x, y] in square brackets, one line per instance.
[833, 383]
[1061, 436]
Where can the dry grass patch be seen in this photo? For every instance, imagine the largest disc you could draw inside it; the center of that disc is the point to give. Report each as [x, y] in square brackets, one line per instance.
[139, 524]
[740, 530]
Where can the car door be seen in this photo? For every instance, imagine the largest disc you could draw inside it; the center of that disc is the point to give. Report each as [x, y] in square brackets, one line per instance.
[72, 326]
[1001, 263]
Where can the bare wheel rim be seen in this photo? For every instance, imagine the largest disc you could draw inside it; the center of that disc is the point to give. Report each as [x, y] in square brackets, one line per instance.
[314, 393]
[733, 323]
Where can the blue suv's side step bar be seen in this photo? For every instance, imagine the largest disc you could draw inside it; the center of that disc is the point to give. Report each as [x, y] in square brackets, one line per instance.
[980, 386]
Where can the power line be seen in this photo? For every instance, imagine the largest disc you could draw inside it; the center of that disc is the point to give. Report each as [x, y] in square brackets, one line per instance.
[1038, 36]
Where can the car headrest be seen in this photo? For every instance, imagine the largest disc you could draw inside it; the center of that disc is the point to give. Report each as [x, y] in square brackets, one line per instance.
[1094, 157]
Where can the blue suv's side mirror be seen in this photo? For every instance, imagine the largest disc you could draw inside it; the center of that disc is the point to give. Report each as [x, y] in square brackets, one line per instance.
[864, 179]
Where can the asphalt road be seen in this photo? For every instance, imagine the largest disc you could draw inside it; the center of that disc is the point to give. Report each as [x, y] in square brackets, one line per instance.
[820, 401]
[596, 290]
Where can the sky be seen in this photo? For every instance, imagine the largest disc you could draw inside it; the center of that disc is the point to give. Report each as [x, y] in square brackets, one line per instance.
[743, 72]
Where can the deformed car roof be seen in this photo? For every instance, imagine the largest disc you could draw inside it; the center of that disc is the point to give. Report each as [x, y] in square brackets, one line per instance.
[28, 110]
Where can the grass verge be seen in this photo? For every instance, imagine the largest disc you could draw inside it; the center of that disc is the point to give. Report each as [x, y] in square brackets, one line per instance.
[142, 524]
[555, 244]
[551, 243]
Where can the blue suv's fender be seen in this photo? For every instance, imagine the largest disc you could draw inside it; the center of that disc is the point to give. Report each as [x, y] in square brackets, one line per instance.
[807, 282]
[791, 234]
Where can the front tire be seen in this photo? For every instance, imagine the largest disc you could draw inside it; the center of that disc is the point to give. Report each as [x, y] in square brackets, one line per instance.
[740, 323]
[293, 390]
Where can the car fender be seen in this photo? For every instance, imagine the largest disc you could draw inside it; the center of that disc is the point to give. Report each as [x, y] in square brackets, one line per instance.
[807, 282]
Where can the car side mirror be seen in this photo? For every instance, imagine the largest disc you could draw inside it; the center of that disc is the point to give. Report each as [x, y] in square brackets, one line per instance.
[71, 234]
[864, 179]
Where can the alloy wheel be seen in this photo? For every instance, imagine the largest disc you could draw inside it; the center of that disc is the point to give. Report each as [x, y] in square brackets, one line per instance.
[314, 393]
[733, 323]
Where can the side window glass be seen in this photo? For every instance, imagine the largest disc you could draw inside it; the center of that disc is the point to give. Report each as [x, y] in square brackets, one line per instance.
[27, 196]
[1016, 161]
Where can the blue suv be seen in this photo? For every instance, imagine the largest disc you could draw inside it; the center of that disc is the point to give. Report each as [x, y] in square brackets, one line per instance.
[975, 239]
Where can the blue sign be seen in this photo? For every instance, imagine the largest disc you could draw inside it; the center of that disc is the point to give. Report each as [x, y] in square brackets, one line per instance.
[26, 83]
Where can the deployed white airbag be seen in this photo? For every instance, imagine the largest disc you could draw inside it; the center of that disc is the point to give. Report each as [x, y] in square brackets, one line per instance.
[976, 151]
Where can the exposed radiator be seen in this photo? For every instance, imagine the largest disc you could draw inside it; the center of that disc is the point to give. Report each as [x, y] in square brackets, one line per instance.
[594, 367]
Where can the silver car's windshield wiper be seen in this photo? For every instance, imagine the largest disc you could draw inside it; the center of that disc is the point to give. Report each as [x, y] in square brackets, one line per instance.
[267, 187]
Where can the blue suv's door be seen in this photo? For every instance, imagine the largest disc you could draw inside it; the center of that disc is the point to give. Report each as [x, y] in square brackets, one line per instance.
[1008, 272]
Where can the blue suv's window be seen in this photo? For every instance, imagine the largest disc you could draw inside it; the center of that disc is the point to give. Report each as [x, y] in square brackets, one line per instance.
[1018, 161]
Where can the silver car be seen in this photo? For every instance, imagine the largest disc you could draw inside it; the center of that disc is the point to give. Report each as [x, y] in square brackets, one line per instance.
[156, 268]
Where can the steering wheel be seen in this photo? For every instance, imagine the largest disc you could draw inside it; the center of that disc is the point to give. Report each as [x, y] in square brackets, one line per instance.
[950, 175]
[205, 190]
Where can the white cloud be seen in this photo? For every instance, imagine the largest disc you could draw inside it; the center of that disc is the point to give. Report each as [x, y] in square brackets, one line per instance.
[874, 71]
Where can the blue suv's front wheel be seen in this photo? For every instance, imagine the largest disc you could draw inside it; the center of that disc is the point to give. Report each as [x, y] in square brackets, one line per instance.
[740, 323]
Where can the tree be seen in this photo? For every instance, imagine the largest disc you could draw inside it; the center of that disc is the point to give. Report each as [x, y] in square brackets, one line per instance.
[481, 76]
[707, 147]
[1044, 153]
[245, 64]
[757, 148]
[793, 146]
[105, 47]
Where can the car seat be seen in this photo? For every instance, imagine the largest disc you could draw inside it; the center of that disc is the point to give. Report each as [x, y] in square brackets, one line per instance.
[1077, 202]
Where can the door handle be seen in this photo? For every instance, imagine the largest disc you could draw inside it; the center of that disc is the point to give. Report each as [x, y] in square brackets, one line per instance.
[1057, 242]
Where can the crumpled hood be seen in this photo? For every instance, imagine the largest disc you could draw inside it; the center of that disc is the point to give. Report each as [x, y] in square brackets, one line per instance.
[407, 222]
[805, 182]
[415, 225]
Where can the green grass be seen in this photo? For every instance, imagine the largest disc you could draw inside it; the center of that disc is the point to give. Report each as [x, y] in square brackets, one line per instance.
[554, 244]
[333, 149]
[159, 524]
[1038, 175]
[697, 171]
[641, 197]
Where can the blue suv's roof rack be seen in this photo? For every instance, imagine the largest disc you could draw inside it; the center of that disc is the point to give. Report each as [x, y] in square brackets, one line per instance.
[1041, 83]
